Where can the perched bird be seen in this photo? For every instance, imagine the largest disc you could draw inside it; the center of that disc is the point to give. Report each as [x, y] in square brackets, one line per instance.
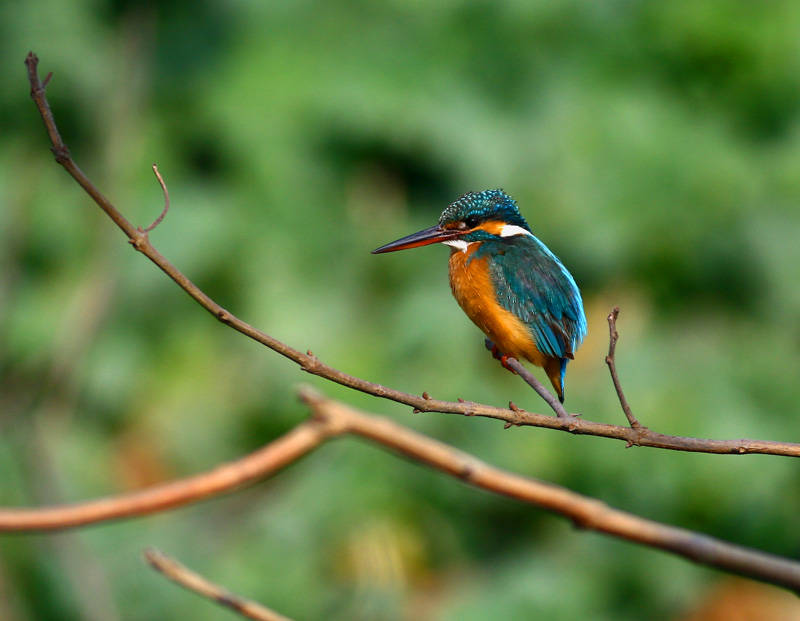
[508, 282]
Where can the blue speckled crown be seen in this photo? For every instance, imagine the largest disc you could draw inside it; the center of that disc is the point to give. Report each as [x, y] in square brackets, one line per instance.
[486, 206]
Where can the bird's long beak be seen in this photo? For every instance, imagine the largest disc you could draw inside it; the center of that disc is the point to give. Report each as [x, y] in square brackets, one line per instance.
[423, 238]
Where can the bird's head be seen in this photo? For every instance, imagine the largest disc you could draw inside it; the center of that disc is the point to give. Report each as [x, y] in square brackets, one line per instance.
[475, 217]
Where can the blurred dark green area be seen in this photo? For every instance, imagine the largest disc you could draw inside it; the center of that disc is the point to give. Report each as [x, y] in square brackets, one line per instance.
[655, 147]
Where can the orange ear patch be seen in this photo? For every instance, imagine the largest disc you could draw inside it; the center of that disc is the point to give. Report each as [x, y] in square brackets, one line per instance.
[495, 227]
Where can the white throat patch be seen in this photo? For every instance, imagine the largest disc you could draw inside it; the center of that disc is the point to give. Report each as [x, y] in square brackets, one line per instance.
[458, 244]
[510, 230]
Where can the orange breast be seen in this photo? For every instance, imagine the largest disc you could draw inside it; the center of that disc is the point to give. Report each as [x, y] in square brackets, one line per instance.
[473, 290]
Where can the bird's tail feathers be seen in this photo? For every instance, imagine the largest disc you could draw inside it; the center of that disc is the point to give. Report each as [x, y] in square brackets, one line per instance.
[556, 369]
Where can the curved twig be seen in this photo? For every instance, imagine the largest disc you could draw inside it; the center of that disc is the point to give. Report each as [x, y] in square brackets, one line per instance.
[188, 579]
[640, 436]
[163, 185]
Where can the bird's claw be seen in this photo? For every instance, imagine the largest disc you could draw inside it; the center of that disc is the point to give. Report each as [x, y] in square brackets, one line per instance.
[503, 358]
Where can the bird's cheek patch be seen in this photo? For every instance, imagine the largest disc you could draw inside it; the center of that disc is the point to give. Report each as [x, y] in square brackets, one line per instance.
[493, 227]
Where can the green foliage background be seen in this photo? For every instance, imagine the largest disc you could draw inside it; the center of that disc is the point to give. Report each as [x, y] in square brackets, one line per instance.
[655, 147]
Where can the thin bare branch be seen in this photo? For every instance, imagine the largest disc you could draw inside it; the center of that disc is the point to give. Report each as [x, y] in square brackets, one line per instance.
[188, 579]
[534, 383]
[640, 436]
[530, 379]
[60, 150]
[613, 336]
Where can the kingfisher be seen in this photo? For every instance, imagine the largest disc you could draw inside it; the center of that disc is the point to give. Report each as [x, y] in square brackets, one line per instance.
[508, 282]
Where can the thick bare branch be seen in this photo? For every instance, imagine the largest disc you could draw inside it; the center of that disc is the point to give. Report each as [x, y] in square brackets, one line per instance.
[332, 419]
[632, 436]
[188, 579]
[585, 512]
[225, 478]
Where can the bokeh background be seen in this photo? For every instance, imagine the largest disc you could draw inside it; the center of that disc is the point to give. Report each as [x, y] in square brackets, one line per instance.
[655, 147]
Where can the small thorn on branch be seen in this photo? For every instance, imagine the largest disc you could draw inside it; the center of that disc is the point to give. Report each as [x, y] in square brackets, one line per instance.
[166, 200]
[513, 406]
[460, 400]
[139, 241]
[426, 396]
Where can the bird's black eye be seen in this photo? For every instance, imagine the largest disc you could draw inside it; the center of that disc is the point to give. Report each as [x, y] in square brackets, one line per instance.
[471, 222]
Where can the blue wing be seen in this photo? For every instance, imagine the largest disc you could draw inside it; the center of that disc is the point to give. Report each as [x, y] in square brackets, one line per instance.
[533, 284]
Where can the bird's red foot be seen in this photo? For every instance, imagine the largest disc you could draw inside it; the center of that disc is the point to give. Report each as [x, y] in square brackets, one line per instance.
[503, 358]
